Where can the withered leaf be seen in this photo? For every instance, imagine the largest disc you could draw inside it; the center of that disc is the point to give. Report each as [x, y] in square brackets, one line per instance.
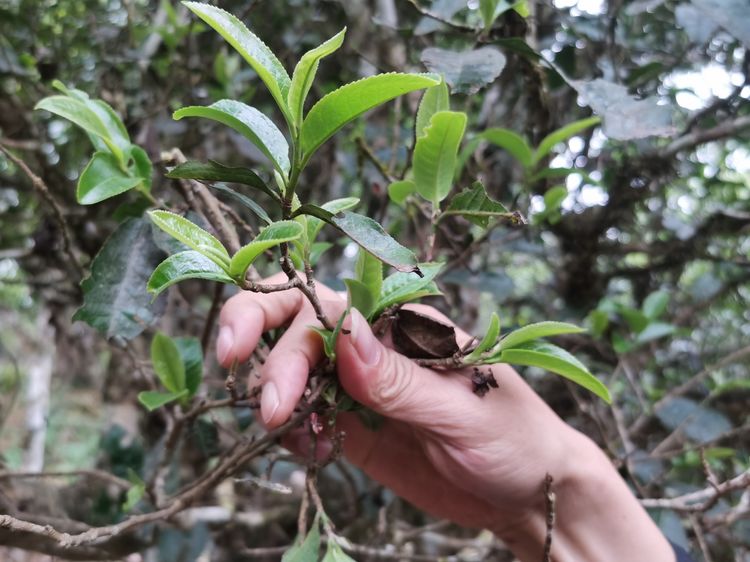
[422, 337]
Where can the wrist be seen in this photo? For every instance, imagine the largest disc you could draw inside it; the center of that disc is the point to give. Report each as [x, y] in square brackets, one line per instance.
[597, 518]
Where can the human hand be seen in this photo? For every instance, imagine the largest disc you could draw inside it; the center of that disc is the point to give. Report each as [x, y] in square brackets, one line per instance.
[480, 462]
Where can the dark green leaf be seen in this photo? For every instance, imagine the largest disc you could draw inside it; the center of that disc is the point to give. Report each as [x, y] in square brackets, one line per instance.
[167, 362]
[273, 235]
[191, 235]
[153, 400]
[465, 71]
[556, 360]
[245, 201]
[250, 123]
[185, 265]
[213, 171]
[434, 100]
[536, 331]
[103, 178]
[304, 74]
[252, 49]
[435, 155]
[347, 103]
[115, 300]
[477, 207]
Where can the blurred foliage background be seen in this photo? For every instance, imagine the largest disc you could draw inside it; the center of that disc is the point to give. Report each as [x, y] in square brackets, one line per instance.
[643, 238]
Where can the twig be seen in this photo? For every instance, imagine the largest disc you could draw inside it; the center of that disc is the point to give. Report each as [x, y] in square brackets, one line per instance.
[91, 473]
[441, 19]
[686, 142]
[46, 195]
[549, 501]
[701, 500]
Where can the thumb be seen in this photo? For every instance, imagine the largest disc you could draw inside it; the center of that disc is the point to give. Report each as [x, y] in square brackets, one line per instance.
[392, 384]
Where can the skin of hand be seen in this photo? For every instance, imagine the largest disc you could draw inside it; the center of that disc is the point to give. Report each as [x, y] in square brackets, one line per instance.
[480, 462]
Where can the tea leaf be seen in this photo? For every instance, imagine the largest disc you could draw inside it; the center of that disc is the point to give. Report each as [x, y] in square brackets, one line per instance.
[536, 331]
[489, 339]
[191, 235]
[273, 235]
[435, 155]
[477, 207]
[182, 266]
[562, 134]
[250, 123]
[434, 100]
[154, 400]
[103, 178]
[167, 362]
[214, 171]
[347, 103]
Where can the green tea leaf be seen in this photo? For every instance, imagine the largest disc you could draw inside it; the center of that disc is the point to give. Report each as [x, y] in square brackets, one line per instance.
[369, 271]
[536, 331]
[304, 74]
[182, 266]
[489, 339]
[245, 201]
[465, 71]
[655, 304]
[493, 9]
[398, 191]
[307, 550]
[330, 336]
[359, 296]
[252, 49]
[250, 123]
[371, 237]
[399, 286]
[655, 331]
[273, 235]
[103, 178]
[167, 362]
[135, 493]
[115, 300]
[347, 103]
[477, 207]
[434, 100]
[564, 133]
[191, 235]
[335, 206]
[435, 155]
[88, 118]
[213, 171]
[334, 553]
[141, 165]
[153, 400]
[512, 142]
[556, 360]
[192, 357]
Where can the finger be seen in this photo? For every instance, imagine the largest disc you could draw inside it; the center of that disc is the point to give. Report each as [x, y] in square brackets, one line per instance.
[395, 386]
[285, 371]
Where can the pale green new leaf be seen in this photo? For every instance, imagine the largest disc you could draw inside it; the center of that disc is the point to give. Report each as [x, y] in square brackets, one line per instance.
[399, 286]
[273, 235]
[82, 113]
[350, 101]
[434, 100]
[103, 178]
[536, 331]
[359, 296]
[369, 271]
[167, 362]
[512, 142]
[335, 553]
[435, 155]
[185, 265]
[557, 360]
[191, 235]
[250, 123]
[655, 304]
[304, 74]
[562, 134]
[330, 336]
[489, 339]
[153, 399]
[252, 49]
[192, 356]
[307, 550]
[398, 191]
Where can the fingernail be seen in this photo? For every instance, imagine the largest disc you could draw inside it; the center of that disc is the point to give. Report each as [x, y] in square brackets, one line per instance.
[224, 344]
[269, 401]
[364, 341]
